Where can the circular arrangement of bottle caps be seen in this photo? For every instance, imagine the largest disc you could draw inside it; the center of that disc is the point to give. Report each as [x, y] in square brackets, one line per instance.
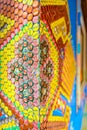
[23, 71]
[46, 69]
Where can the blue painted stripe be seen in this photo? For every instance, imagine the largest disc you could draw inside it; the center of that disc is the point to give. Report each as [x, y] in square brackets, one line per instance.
[79, 18]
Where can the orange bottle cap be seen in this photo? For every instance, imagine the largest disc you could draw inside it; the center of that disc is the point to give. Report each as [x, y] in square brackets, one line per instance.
[29, 9]
[35, 11]
[35, 4]
[24, 7]
[30, 17]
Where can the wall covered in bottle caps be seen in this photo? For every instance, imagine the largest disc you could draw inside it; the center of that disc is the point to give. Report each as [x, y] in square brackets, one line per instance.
[56, 31]
[37, 65]
[19, 64]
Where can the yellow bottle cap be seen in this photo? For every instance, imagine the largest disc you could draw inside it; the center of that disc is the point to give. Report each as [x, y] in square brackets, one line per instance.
[30, 2]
